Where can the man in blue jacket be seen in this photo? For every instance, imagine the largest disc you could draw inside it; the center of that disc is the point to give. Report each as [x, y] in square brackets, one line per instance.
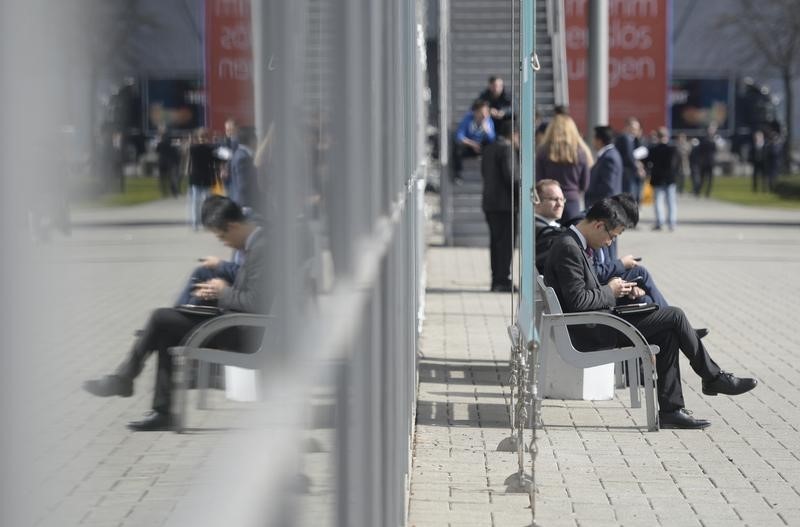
[474, 131]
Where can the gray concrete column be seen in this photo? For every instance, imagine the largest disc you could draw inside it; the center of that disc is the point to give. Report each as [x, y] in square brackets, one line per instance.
[597, 103]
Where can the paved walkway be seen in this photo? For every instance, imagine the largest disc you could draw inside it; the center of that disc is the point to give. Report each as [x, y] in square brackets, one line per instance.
[598, 466]
[103, 282]
[735, 270]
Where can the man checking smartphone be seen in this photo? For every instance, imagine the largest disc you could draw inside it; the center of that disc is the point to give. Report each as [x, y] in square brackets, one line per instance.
[167, 327]
[569, 271]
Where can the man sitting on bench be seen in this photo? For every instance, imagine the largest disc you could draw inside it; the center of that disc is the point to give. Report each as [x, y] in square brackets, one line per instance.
[569, 271]
[167, 327]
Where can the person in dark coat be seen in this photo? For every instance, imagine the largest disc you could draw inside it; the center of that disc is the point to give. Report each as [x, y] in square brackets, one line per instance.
[663, 161]
[498, 99]
[496, 203]
[570, 273]
[565, 157]
[605, 176]
[704, 158]
[168, 160]
[243, 185]
[632, 170]
[201, 174]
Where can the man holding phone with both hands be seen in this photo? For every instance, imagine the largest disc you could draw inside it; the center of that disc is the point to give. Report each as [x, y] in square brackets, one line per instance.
[569, 271]
[246, 292]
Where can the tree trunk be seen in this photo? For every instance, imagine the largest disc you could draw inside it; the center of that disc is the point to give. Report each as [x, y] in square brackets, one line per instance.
[789, 94]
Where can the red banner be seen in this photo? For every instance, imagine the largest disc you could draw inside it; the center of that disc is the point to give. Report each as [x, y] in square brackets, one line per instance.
[229, 63]
[638, 61]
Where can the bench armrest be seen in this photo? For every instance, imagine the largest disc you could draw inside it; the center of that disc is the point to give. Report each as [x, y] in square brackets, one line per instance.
[212, 326]
[608, 320]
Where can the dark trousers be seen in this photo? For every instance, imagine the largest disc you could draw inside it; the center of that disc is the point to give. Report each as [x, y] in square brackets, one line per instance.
[500, 246]
[460, 152]
[670, 330]
[168, 180]
[759, 177]
[705, 178]
[166, 328]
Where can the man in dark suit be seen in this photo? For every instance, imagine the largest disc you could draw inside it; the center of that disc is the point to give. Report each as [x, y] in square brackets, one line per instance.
[496, 203]
[167, 327]
[605, 177]
[569, 272]
[547, 212]
[632, 170]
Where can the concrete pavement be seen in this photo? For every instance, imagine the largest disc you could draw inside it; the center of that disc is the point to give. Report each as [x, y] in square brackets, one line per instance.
[102, 282]
[733, 269]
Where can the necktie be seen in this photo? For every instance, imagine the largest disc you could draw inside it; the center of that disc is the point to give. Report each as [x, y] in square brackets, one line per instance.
[589, 253]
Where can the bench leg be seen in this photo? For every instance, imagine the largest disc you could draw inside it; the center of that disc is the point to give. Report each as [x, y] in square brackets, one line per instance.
[619, 374]
[632, 366]
[181, 388]
[650, 394]
[203, 374]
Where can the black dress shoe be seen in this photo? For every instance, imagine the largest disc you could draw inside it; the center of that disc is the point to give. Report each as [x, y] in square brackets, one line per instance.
[153, 421]
[108, 386]
[728, 384]
[701, 332]
[681, 418]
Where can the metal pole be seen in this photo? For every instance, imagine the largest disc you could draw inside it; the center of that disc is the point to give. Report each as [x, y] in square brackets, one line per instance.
[526, 245]
[597, 107]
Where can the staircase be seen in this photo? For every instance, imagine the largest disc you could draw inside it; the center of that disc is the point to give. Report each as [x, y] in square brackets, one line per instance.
[481, 46]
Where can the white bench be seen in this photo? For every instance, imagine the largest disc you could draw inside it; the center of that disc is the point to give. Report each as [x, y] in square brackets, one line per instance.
[192, 349]
[556, 342]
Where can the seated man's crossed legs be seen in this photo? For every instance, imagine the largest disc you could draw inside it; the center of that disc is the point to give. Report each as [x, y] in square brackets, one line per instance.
[670, 330]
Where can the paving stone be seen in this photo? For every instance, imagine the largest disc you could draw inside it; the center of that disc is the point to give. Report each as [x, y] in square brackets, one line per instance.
[673, 477]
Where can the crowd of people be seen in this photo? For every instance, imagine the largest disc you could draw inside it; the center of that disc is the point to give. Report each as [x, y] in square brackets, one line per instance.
[584, 199]
[226, 165]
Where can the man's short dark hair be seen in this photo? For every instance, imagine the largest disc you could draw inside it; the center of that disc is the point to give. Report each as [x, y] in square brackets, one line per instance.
[629, 205]
[492, 79]
[610, 212]
[604, 134]
[478, 104]
[219, 211]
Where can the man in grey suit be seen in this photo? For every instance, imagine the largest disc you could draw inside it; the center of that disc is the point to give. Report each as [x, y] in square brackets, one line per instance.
[167, 327]
[569, 271]
[605, 177]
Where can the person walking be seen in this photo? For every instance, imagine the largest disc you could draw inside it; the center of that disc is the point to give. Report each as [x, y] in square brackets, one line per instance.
[705, 154]
[168, 160]
[201, 174]
[566, 158]
[662, 159]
